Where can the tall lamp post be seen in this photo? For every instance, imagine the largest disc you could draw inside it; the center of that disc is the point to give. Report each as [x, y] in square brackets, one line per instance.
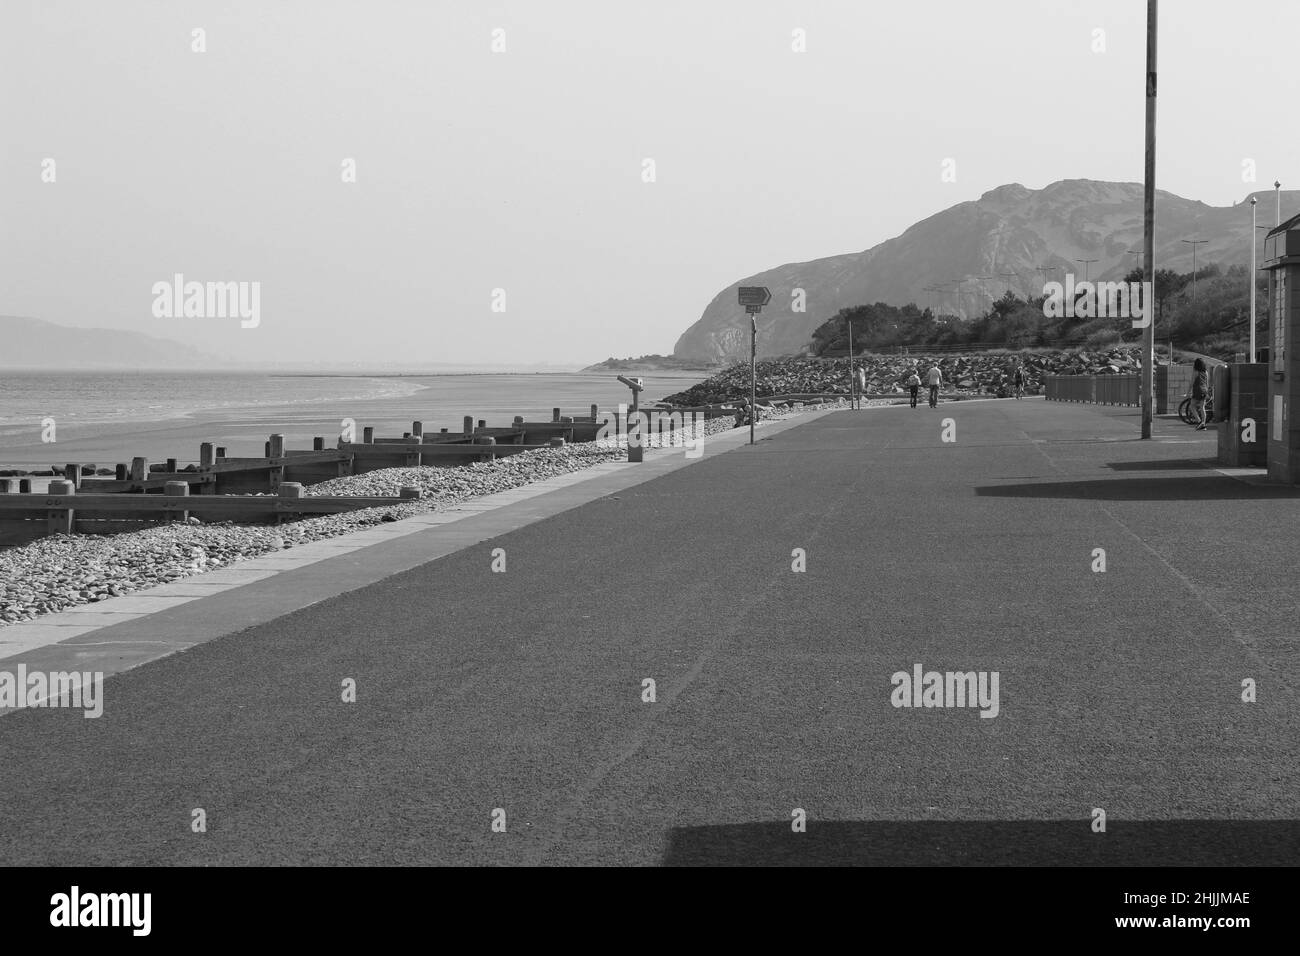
[1277, 190]
[1253, 230]
[1149, 221]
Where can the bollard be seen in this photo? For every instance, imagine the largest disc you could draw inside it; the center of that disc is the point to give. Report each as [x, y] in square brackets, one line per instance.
[60, 520]
[177, 489]
[368, 435]
[206, 459]
[277, 446]
[139, 469]
[409, 492]
[469, 424]
[318, 444]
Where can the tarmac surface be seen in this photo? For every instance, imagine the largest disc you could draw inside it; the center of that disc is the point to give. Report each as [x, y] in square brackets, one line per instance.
[523, 691]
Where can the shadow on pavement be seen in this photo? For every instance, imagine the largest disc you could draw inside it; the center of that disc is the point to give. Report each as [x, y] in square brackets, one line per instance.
[1216, 488]
[990, 843]
[1163, 465]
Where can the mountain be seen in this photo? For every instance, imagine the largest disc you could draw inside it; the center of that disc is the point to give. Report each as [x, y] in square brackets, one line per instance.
[33, 343]
[1010, 229]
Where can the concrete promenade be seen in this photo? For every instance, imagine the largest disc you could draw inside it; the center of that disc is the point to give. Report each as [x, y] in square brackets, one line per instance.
[523, 690]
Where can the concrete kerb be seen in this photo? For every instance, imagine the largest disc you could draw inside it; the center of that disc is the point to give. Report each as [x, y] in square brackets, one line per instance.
[121, 633]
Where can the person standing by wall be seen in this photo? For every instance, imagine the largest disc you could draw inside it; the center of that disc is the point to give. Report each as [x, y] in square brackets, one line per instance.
[1200, 392]
[933, 378]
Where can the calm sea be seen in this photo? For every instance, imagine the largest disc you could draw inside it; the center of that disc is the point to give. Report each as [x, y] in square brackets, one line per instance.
[108, 415]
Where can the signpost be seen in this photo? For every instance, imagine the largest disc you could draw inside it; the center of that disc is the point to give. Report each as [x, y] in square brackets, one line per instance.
[753, 298]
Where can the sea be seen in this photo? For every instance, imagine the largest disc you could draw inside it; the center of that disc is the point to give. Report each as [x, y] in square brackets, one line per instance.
[104, 416]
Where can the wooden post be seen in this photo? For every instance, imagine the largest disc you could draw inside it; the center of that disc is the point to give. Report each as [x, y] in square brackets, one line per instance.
[368, 435]
[557, 442]
[519, 421]
[417, 429]
[482, 423]
[60, 520]
[221, 451]
[4, 486]
[409, 492]
[595, 410]
[266, 446]
[555, 414]
[469, 424]
[73, 474]
[291, 490]
[121, 473]
[487, 440]
[24, 486]
[171, 465]
[277, 446]
[175, 489]
[206, 459]
[442, 431]
[318, 444]
[139, 469]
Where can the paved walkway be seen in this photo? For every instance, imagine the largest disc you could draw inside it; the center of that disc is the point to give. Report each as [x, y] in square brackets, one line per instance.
[523, 690]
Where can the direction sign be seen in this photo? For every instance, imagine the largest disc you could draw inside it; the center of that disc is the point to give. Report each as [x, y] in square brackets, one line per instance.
[755, 295]
[753, 309]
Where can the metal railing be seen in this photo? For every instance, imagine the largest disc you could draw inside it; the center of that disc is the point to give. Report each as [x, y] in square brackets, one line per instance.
[1095, 389]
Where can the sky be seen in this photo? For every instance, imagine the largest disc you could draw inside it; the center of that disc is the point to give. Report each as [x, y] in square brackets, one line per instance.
[587, 187]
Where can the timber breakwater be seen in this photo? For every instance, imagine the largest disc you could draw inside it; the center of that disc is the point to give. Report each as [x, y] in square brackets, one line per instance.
[982, 373]
[71, 567]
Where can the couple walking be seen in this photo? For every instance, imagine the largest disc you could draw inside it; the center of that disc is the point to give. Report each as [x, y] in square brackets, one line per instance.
[933, 378]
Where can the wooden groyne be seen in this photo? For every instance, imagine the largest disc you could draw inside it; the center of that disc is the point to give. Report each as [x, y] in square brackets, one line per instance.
[268, 487]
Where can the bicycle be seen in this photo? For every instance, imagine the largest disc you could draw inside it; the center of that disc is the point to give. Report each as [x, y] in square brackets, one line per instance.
[1188, 415]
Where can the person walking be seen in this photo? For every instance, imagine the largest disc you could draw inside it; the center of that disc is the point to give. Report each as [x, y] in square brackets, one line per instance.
[933, 378]
[1200, 392]
[914, 385]
[861, 374]
[1018, 378]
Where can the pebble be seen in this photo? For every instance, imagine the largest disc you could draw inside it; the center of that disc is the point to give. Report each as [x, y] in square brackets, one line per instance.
[61, 571]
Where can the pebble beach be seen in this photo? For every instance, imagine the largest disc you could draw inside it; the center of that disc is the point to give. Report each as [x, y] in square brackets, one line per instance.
[63, 571]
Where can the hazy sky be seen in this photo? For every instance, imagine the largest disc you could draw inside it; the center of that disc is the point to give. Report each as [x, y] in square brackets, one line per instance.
[523, 170]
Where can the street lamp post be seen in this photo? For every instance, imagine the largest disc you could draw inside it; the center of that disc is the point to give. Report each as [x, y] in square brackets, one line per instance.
[1277, 190]
[1253, 230]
